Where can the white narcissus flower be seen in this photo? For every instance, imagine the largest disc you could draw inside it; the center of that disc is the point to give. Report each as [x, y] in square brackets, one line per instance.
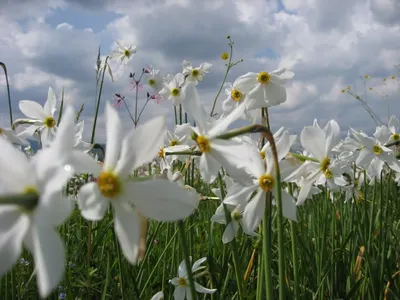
[157, 199]
[236, 95]
[394, 127]
[172, 89]
[35, 227]
[263, 181]
[374, 148]
[13, 137]
[158, 296]
[44, 117]
[232, 155]
[265, 88]
[123, 53]
[319, 142]
[155, 80]
[181, 283]
[195, 74]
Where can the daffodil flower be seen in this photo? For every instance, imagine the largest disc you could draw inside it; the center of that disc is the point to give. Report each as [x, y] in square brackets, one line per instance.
[44, 117]
[157, 199]
[195, 74]
[181, 282]
[266, 89]
[35, 227]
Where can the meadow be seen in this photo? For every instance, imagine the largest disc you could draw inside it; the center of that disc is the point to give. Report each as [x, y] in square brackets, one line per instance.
[320, 223]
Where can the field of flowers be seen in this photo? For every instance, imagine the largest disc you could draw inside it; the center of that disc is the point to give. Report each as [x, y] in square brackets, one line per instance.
[204, 210]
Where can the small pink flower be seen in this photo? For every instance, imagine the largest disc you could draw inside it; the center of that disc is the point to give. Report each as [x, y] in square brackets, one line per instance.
[147, 69]
[156, 97]
[118, 99]
[137, 84]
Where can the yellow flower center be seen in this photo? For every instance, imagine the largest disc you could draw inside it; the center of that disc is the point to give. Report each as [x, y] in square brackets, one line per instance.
[236, 216]
[30, 189]
[395, 136]
[152, 82]
[161, 153]
[203, 143]
[360, 197]
[377, 149]
[127, 53]
[175, 92]
[236, 95]
[225, 55]
[266, 182]
[182, 281]
[174, 142]
[263, 77]
[262, 154]
[50, 122]
[195, 72]
[109, 184]
[328, 174]
[325, 164]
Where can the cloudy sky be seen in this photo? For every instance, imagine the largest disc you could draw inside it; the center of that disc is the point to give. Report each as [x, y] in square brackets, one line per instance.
[328, 44]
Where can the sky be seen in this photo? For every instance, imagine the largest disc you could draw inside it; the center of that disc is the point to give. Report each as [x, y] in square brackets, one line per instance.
[329, 45]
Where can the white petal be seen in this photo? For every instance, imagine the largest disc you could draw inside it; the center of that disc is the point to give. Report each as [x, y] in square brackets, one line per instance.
[197, 263]
[394, 124]
[13, 227]
[127, 228]
[313, 140]
[48, 252]
[230, 232]
[161, 199]
[54, 208]
[228, 120]
[179, 293]
[332, 134]
[50, 105]
[288, 206]
[274, 94]
[158, 296]
[238, 194]
[209, 167]
[254, 211]
[182, 268]
[32, 109]
[14, 167]
[202, 289]
[92, 204]
[192, 105]
[114, 137]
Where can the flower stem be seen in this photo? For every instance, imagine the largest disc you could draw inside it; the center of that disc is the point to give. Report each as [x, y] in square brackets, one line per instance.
[293, 232]
[98, 102]
[61, 108]
[229, 66]
[3, 65]
[267, 246]
[185, 249]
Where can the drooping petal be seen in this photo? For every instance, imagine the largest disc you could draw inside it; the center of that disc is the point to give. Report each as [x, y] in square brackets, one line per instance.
[239, 194]
[313, 140]
[254, 211]
[192, 105]
[182, 270]
[48, 252]
[13, 227]
[203, 290]
[114, 137]
[394, 124]
[274, 94]
[161, 199]
[209, 167]
[332, 134]
[288, 206]
[127, 228]
[32, 109]
[230, 232]
[92, 204]
[228, 120]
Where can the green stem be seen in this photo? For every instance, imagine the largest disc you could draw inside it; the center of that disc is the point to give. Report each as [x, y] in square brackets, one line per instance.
[229, 66]
[185, 250]
[98, 102]
[28, 200]
[61, 108]
[293, 232]
[267, 247]
[3, 65]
